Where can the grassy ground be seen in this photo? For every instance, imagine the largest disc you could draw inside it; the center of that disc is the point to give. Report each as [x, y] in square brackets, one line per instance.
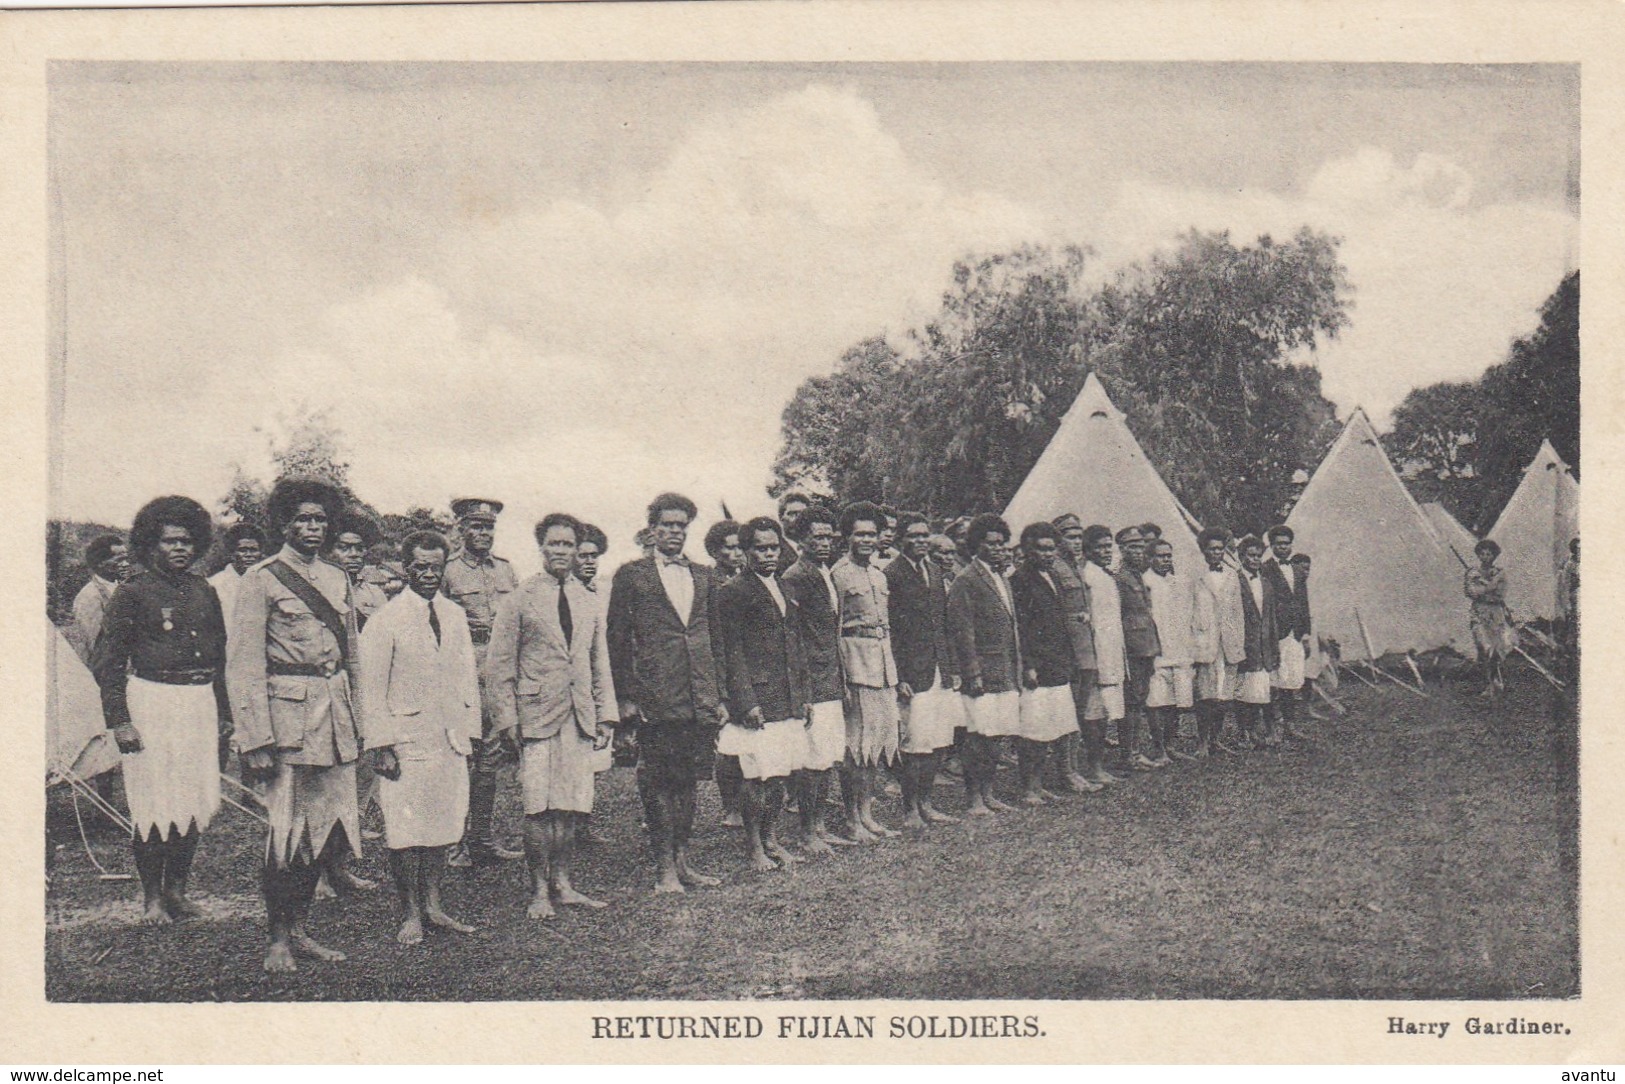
[1418, 849]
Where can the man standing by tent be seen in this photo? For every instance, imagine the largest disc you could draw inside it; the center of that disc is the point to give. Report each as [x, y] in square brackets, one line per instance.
[1170, 691]
[868, 665]
[477, 580]
[109, 566]
[1288, 575]
[1261, 653]
[1139, 642]
[1218, 640]
[982, 631]
[1104, 693]
[927, 679]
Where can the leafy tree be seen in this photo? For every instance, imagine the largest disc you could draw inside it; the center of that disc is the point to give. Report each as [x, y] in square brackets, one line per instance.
[1435, 430]
[832, 426]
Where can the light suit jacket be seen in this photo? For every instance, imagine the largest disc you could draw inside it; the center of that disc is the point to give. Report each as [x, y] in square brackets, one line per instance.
[418, 696]
[535, 681]
[1218, 626]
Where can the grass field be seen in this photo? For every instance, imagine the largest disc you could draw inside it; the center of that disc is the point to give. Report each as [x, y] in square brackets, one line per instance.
[1417, 849]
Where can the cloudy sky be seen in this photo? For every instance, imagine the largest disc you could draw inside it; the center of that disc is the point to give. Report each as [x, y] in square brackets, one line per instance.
[573, 285]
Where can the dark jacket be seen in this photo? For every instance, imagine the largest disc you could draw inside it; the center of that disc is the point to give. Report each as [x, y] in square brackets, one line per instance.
[1263, 650]
[982, 632]
[919, 624]
[766, 668]
[1041, 618]
[1075, 603]
[671, 671]
[1291, 607]
[1139, 629]
[155, 623]
[818, 631]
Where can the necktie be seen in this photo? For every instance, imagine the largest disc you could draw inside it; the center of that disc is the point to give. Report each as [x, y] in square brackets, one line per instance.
[565, 622]
[434, 623]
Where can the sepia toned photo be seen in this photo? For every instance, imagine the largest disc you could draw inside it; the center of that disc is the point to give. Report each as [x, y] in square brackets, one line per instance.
[949, 531]
[664, 532]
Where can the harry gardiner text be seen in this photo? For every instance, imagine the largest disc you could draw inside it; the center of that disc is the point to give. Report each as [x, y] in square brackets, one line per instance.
[920, 1026]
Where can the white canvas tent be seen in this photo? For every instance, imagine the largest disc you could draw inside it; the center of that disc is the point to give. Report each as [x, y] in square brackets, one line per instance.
[1534, 531]
[76, 740]
[1376, 556]
[1095, 468]
[1451, 532]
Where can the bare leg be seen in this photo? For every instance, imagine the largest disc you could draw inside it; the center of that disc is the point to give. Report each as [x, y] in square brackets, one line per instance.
[991, 756]
[658, 813]
[276, 885]
[304, 890]
[684, 800]
[773, 805]
[1030, 766]
[404, 866]
[867, 777]
[729, 780]
[927, 767]
[564, 846]
[809, 808]
[150, 854]
[537, 855]
[431, 876]
[177, 871]
[751, 807]
[908, 771]
[852, 800]
[973, 755]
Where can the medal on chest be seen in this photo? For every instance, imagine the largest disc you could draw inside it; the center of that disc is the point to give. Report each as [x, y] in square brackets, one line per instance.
[169, 618]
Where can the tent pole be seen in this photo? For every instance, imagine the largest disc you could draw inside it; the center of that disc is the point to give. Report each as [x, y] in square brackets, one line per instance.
[1547, 674]
[243, 808]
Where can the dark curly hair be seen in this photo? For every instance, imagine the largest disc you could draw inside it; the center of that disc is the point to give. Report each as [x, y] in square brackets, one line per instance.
[101, 549]
[557, 519]
[854, 513]
[594, 534]
[983, 525]
[238, 532]
[1212, 534]
[170, 511]
[1034, 532]
[815, 513]
[671, 502]
[423, 540]
[718, 534]
[289, 493]
[353, 521]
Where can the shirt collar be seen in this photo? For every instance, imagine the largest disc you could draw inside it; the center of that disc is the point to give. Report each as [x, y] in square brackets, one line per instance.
[680, 560]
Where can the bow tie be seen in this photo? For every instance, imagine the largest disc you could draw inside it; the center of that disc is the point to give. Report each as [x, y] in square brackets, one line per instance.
[679, 560]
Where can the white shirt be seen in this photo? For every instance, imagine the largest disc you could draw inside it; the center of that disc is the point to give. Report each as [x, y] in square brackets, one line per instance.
[1256, 583]
[772, 586]
[226, 583]
[678, 580]
[1001, 583]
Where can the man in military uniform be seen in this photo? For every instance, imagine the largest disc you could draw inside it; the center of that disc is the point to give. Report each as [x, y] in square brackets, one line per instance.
[476, 579]
[290, 673]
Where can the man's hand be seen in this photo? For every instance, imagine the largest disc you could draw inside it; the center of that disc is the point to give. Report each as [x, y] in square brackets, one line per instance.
[972, 687]
[385, 763]
[953, 683]
[1030, 679]
[722, 715]
[127, 737]
[905, 692]
[629, 711]
[225, 730]
[259, 765]
[753, 719]
[807, 714]
[602, 737]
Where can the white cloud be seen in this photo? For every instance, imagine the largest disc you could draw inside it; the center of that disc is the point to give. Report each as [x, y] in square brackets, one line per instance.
[1443, 284]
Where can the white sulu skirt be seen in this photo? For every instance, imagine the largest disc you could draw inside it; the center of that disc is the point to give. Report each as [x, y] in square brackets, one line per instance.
[929, 719]
[173, 783]
[1048, 713]
[1290, 674]
[773, 752]
[994, 715]
[1171, 687]
[1105, 702]
[427, 805]
[825, 740]
[1254, 687]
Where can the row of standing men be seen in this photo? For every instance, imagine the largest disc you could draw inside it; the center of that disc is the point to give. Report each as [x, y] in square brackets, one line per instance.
[804, 665]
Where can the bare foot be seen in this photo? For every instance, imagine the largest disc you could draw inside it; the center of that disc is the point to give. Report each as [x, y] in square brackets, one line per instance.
[446, 922]
[695, 879]
[781, 855]
[324, 889]
[933, 815]
[880, 830]
[669, 882]
[181, 908]
[861, 834]
[540, 907]
[997, 806]
[978, 808]
[761, 863]
[733, 820]
[303, 942]
[153, 914]
[411, 932]
[569, 897]
[816, 845]
[913, 820]
[354, 882]
[833, 840]
[1034, 797]
[279, 959]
